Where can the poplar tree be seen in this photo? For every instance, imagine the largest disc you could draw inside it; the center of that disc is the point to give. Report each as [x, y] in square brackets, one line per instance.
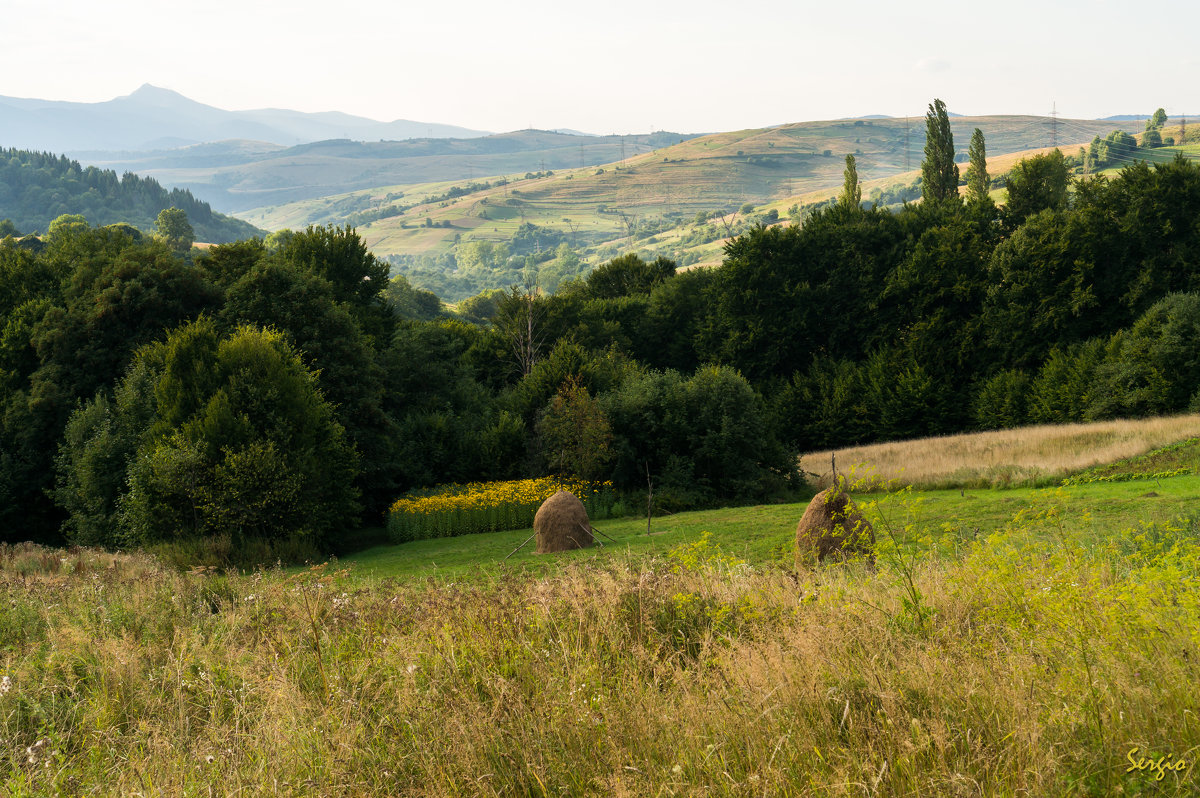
[851, 191]
[977, 175]
[939, 173]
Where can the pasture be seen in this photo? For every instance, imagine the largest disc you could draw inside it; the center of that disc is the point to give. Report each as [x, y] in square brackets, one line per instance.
[1032, 641]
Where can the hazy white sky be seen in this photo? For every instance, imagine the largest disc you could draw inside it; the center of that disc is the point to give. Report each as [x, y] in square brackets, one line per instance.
[619, 66]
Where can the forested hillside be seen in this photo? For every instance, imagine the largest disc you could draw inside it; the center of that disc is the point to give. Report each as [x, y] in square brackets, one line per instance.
[36, 188]
[266, 401]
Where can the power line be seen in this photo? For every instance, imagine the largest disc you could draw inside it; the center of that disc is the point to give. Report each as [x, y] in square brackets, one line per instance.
[1132, 159]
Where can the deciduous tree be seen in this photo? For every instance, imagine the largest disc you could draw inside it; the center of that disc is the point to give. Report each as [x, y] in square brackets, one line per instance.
[173, 229]
[1036, 184]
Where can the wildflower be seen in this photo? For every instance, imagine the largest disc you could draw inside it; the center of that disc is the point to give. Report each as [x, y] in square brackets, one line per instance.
[210, 759]
[677, 770]
[34, 752]
[5, 685]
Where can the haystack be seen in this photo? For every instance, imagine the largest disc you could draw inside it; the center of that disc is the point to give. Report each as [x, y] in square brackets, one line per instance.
[833, 527]
[561, 524]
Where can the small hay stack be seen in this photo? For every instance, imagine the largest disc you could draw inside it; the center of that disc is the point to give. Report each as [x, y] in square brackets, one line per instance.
[833, 527]
[561, 524]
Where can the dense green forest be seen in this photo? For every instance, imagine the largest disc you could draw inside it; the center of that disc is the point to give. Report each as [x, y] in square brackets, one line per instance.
[267, 400]
[36, 188]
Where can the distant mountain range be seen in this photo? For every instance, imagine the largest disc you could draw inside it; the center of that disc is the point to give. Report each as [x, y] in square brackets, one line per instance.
[153, 118]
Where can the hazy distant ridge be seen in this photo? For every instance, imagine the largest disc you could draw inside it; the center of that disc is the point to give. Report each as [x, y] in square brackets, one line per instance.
[155, 118]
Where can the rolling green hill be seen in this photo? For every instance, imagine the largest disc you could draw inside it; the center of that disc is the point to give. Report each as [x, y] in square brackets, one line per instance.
[681, 201]
[240, 175]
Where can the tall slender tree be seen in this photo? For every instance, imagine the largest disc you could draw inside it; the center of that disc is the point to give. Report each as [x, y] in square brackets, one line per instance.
[977, 174]
[851, 191]
[939, 173]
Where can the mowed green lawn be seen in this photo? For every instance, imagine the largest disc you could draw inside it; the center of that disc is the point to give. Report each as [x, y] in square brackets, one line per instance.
[921, 521]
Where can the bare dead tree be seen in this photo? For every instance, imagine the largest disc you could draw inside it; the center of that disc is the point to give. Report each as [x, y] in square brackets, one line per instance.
[519, 322]
[728, 226]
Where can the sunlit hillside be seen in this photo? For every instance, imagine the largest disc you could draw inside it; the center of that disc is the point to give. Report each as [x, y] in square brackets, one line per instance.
[650, 201]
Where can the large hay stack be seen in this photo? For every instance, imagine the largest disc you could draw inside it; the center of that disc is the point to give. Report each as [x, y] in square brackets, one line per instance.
[561, 524]
[833, 527]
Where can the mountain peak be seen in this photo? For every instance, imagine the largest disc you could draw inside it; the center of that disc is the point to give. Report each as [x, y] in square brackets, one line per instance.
[155, 95]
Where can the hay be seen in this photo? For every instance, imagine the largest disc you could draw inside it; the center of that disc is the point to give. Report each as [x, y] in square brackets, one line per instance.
[561, 524]
[833, 527]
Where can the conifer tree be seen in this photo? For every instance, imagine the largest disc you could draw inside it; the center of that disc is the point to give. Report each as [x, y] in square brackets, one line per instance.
[851, 191]
[939, 173]
[977, 175]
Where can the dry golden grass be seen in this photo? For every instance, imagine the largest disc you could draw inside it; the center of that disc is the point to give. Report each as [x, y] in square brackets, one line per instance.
[1029, 455]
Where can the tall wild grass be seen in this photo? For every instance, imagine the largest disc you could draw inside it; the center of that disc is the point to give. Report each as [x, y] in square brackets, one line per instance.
[1020, 663]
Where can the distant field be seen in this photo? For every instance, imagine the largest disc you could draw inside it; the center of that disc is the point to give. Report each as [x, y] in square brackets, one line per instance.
[1003, 457]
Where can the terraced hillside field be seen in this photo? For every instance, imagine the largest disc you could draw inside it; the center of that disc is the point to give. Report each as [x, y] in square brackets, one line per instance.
[650, 201]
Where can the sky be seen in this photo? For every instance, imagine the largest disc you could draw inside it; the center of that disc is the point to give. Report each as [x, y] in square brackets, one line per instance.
[623, 66]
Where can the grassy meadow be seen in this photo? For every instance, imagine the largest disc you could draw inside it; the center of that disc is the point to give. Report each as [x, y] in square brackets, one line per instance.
[1031, 641]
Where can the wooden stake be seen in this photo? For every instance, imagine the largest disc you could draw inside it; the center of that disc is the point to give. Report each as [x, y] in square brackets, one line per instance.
[518, 548]
[649, 499]
[610, 537]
